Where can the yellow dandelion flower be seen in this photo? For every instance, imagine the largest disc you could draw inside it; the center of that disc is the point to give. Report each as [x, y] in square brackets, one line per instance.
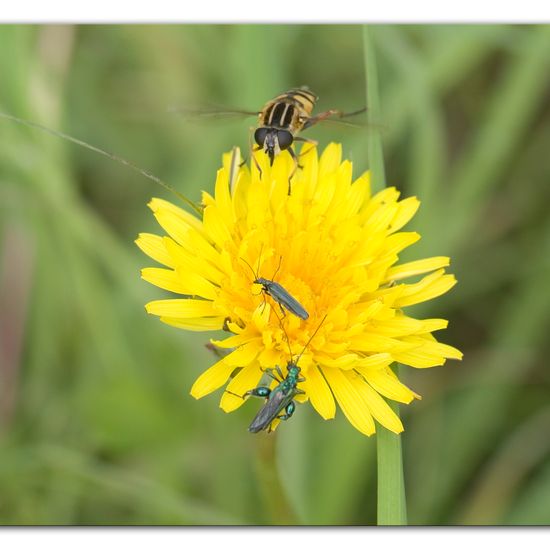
[333, 246]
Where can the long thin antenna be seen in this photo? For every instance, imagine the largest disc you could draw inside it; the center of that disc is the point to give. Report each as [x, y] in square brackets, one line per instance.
[251, 268]
[284, 330]
[122, 160]
[307, 343]
[278, 267]
[259, 259]
[311, 338]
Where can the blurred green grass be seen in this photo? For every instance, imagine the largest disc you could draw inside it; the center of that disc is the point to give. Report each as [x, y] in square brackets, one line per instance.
[97, 426]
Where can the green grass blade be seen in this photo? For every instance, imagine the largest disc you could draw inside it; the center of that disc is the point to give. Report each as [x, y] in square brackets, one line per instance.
[392, 509]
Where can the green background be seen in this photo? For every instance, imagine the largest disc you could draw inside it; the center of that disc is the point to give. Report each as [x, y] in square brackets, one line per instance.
[96, 422]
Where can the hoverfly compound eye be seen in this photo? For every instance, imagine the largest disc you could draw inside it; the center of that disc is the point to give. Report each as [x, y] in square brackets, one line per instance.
[285, 139]
[259, 136]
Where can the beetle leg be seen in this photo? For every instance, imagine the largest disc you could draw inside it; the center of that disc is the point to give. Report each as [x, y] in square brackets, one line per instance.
[260, 391]
[235, 394]
[279, 372]
[269, 372]
[289, 410]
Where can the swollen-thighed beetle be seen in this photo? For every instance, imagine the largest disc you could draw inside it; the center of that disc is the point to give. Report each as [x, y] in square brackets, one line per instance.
[188, 202]
[281, 397]
[278, 292]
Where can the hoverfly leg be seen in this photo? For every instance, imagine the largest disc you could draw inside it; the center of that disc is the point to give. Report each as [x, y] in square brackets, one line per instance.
[253, 149]
[313, 142]
[322, 116]
[296, 165]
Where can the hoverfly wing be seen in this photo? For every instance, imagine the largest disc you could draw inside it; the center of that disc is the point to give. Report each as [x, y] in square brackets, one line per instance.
[340, 119]
[369, 126]
[207, 113]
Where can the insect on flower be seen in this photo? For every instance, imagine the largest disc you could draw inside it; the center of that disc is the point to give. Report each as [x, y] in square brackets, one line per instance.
[278, 292]
[281, 397]
[340, 246]
[279, 122]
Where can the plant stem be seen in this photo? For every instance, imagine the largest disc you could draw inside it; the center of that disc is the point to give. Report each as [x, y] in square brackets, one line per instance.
[274, 496]
[391, 509]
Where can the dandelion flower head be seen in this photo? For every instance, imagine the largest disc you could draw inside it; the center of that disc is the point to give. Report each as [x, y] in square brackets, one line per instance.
[334, 246]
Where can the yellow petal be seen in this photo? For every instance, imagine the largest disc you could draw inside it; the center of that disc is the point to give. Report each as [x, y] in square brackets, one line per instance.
[374, 362]
[418, 267]
[376, 343]
[180, 282]
[429, 287]
[215, 227]
[182, 308]
[385, 382]
[399, 241]
[153, 246]
[187, 261]
[427, 353]
[376, 404]
[164, 278]
[350, 400]
[198, 324]
[247, 379]
[330, 159]
[217, 374]
[358, 193]
[406, 209]
[236, 341]
[319, 393]
[347, 361]
[224, 203]
[157, 205]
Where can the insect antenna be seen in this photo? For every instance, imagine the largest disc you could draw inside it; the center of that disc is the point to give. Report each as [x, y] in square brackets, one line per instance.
[116, 158]
[251, 268]
[284, 330]
[310, 339]
[278, 267]
[255, 273]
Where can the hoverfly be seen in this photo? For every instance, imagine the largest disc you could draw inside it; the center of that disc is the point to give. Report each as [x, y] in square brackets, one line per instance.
[283, 117]
[280, 121]
[279, 400]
